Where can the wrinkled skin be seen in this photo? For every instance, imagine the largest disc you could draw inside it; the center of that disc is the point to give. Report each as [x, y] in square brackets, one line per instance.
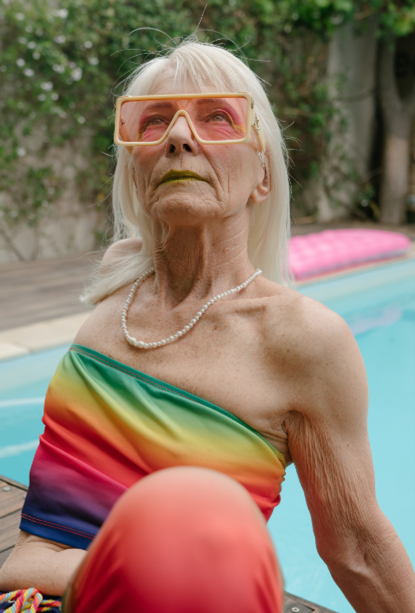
[281, 362]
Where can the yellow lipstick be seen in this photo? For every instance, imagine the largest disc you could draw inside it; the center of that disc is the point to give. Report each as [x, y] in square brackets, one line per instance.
[181, 175]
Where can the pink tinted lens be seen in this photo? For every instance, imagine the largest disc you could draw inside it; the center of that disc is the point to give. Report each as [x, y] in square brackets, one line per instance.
[145, 120]
[214, 119]
[217, 119]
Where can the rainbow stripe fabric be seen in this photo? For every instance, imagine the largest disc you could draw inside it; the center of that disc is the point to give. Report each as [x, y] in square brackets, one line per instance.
[108, 425]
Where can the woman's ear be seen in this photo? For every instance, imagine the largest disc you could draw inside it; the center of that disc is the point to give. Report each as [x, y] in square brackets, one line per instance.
[261, 191]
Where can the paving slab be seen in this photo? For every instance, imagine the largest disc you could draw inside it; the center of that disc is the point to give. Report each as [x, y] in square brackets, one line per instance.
[39, 336]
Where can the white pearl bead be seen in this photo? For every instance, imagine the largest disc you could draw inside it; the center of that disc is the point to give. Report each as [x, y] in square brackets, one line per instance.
[173, 337]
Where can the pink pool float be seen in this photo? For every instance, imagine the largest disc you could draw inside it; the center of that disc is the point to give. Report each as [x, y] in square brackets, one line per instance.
[331, 250]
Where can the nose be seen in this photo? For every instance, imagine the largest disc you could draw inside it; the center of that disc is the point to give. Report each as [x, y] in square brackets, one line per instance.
[181, 138]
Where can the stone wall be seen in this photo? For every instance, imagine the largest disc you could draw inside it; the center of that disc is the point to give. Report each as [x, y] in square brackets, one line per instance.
[70, 226]
[352, 61]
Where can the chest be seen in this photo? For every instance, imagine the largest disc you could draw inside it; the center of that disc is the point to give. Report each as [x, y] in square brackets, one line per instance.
[224, 360]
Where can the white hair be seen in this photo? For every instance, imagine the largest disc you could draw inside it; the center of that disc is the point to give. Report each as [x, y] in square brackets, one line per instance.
[199, 64]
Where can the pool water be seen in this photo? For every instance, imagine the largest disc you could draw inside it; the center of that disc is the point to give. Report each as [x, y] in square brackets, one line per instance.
[379, 306]
[23, 385]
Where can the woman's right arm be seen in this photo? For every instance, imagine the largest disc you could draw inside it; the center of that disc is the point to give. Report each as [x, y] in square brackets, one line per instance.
[37, 562]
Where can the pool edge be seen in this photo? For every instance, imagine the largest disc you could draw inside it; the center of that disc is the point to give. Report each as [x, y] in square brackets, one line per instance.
[51, 333]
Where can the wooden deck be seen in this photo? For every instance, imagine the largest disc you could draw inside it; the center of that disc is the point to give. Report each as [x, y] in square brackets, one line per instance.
[37, 291]
[46, 289]
[12, 495]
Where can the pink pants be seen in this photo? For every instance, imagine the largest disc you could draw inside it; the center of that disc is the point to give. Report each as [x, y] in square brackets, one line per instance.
[183, 540]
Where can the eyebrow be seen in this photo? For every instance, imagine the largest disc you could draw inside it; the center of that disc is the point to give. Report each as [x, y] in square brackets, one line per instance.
[162, 104]
[211, 100]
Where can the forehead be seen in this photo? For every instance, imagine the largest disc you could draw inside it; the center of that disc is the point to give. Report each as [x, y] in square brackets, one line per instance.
[169, 83]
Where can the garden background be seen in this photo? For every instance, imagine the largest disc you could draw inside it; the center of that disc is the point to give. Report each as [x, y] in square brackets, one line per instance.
[340, 76]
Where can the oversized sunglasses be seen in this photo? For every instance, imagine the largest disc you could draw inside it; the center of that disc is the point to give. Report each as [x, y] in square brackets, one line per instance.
[214, 119]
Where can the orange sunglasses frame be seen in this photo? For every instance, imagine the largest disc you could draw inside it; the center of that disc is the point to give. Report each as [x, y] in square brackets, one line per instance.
[251, 120]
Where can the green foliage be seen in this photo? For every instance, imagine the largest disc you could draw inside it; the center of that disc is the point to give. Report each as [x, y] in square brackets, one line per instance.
[57, 71]
[395, 19]
[62, 64]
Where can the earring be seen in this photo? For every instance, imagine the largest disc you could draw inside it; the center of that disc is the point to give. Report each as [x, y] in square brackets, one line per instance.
[262, 159]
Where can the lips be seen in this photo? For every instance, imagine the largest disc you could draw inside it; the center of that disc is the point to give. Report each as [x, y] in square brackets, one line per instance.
[181, 175]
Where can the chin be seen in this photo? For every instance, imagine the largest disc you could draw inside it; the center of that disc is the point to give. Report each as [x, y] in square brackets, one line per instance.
[184, 208]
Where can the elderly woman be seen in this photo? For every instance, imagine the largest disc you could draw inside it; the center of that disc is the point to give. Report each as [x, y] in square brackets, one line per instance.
[198, 355]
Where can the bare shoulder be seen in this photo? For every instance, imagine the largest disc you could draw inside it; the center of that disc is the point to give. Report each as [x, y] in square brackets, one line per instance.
[120, 249]
[308, 326]
[317, 348]
[102, 317]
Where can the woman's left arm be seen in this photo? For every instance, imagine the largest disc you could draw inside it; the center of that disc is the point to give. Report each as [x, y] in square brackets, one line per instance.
[328, 442]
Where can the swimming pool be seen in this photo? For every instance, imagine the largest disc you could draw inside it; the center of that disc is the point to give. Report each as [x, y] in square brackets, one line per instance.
[379, 306]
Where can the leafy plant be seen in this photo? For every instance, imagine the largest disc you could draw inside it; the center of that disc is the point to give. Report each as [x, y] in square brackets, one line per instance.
[61, 66]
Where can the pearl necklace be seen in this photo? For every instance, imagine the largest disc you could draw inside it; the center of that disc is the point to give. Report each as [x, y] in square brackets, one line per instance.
[141, 344]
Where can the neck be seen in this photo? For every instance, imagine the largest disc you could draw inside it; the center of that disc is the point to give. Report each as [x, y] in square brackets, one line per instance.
[199, 261]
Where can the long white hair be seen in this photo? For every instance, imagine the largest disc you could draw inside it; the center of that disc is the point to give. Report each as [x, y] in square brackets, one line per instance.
[198, 64]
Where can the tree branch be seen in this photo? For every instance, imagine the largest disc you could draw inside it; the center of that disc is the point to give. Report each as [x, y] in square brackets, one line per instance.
[388, 91]
[409, 101]
[11, 245]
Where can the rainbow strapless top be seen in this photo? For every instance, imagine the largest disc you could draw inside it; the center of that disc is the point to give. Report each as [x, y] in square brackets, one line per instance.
[108, 425]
